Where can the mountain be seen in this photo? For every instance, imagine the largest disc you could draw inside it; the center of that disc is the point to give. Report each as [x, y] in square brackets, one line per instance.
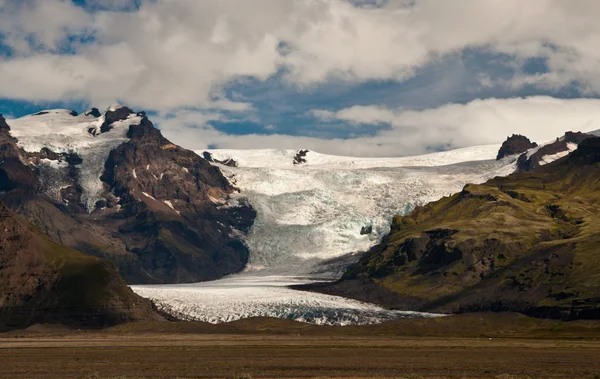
[44, 282]
[515, 144]
[527, 242]
[110, 185]
[552, 151]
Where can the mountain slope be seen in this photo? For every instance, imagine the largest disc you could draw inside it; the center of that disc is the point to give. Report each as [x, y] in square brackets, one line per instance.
[44, 282]
[110, 185]
[527, 242]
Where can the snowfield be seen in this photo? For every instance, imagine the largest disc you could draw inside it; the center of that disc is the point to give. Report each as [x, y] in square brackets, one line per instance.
[309, 219]
[275, 158]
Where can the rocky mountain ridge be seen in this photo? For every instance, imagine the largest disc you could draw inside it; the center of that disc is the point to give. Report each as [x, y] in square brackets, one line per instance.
[110, 185]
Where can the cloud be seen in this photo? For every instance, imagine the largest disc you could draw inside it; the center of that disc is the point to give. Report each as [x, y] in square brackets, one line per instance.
[165, 56]
[478, 122]
[31, 26]
[176, 53]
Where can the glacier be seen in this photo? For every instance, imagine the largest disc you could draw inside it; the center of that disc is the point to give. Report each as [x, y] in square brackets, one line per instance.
[308, 229]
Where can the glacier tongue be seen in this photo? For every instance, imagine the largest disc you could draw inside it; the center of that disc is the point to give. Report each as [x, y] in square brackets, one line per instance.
[309, 221]
[245, 296]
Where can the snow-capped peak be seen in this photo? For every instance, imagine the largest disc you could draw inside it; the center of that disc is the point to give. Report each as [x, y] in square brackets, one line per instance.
[62, 131]
[114, 107]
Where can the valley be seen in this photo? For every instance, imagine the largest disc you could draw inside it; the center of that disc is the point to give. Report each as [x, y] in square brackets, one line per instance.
[308, 225]
[222, 235]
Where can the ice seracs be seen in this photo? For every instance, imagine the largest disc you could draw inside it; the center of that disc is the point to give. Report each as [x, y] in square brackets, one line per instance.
[315, 211]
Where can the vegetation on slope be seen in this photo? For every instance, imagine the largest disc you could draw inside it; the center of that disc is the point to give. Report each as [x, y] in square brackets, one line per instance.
[529, 242]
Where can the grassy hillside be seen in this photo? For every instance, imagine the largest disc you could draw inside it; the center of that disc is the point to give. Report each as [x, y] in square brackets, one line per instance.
[529, 242]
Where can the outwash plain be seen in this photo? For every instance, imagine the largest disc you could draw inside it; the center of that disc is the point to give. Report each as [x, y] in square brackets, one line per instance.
[486, 345]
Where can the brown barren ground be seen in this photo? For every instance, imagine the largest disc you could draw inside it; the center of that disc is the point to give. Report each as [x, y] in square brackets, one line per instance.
[480, 346]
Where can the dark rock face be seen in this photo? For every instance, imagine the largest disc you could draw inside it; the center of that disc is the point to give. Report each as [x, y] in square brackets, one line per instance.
[111, 117]
[14, 173]
[171, 210]
[44, 282]
[515, 144]
[227, 162]
[94, 112]
[72, 159]
[300, 157]
[367, 229]
[526, 163]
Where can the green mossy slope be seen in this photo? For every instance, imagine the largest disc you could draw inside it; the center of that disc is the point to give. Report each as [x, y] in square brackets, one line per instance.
[529, 242]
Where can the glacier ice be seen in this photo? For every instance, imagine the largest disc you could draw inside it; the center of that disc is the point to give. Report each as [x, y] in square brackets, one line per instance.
[308, 224]
[244, 296]
[311, 213]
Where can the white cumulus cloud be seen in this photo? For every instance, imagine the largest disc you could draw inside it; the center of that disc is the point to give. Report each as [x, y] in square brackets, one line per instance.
[479, 122]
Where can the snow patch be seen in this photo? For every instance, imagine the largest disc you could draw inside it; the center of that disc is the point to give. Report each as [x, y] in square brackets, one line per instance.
[553, 157]
[216, 201]
[148, 195]
[54, 164]
[170, 205]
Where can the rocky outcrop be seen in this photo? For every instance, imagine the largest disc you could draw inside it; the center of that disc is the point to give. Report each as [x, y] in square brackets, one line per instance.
[561, 147]
[173, 210]
[44, 282]
[515, 144]
[300, 157]
[227, 162]
[93, 112]
[14, 172]
[524, 243]
[112, 116]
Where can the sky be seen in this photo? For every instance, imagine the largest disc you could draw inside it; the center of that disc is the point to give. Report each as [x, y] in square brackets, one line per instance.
[347, 77]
